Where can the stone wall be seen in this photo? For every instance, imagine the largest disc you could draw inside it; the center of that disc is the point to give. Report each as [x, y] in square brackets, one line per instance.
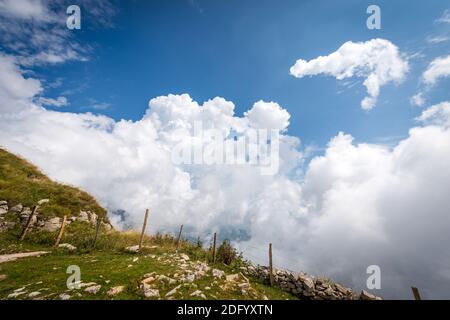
[307, 287]
[39, 222]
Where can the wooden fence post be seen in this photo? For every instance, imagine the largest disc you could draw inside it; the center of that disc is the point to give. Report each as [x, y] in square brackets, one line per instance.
[214, 248]
[179, 237]
[27, 226]
[61, 231]
[416, 293]
[270, 265]
[141, 241]
[97, 231]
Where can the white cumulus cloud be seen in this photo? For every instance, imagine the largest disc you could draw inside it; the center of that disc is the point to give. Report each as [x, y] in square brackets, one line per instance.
[15, 90]
[438, 68]
[25, 9]
[378, 61]
[268, 116]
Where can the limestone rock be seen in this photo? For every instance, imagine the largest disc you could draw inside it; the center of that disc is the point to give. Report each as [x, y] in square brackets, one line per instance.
[6, 225]
[341, 289]
[106, 226]
[190, 278]
[368, 296]
[64, 296]
[149, 292]
[232, 277]
[43, 201]
[218, 273]
[34, 294]
[148, 280]
[87, 284]
[184, 257]
[132, 249]
[308, 283]
[245, 286]
[166, 279]
[3, 207]
[17, 208]
[151, 274]
[67, 246]
[52, 225]
[24, 216]
[115, 291]
[198, 293]
[93, 289]
[15, 294]
[173, 291]
[93, 219]
[83, 217]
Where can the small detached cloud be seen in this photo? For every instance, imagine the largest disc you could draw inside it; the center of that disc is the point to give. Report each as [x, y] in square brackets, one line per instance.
[58, 103]
[438, 68]
[268, 115]
[438, 39]
[438, 114]
[96, 105]
[378, 61]
[418, 100]
[445, 18]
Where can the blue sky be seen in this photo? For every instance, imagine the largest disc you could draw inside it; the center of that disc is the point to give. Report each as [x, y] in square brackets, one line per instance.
[350, 205]
[242, 51]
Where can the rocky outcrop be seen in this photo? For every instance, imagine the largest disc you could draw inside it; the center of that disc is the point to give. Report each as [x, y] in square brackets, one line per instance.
[307, 287]
[25, 215]
[106, 226]
[83, 216]
[43, 201]
[3, 207]
[4, 224]
[115, 291]
[52, 225]
[67, 246]
[132, 249]
[40, 222]
[93, 289]
[17, 208]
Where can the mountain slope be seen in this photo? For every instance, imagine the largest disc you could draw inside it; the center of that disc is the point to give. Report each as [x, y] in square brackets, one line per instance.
[21, 182]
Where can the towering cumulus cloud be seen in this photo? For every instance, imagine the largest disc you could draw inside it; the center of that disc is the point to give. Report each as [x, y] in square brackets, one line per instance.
[378, 61]
[354, 206]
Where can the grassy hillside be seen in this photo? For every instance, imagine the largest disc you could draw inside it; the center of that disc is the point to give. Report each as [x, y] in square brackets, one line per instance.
[45, 277]
[21, 182]
[175, 272]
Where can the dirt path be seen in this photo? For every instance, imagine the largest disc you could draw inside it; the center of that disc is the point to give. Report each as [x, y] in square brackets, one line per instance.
[15, 256]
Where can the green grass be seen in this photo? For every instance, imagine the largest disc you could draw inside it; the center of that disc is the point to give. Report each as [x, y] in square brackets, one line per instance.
[109, 268]
[21, 182]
